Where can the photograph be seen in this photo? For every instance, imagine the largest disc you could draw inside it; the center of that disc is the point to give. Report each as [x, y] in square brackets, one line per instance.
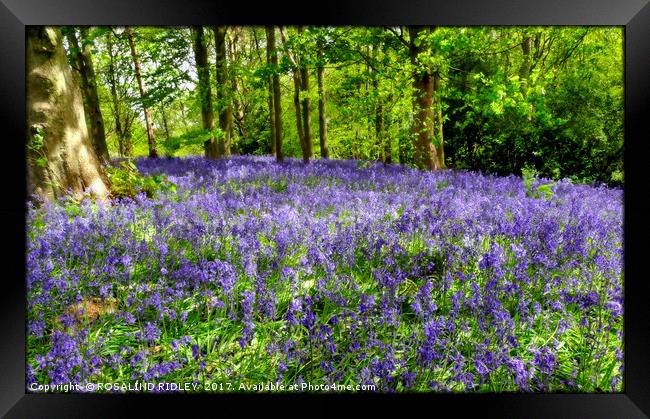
[325, 209]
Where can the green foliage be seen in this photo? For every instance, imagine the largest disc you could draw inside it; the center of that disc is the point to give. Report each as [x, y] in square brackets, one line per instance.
[36, 141]
[533, 187]
[126, 181]
[558, 109]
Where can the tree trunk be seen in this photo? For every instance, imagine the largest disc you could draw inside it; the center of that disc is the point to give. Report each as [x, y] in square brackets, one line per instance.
[238, 113]
[322, 121]
[164, 119]
[387, 144]
[306, 114]
[60, 154]
[277, 105]
[379, 118]
[306, 111]
[269, 60]
[205, 92]
[425, 150]
[116, 103]
[437, 126]
[296, 105]
[83, 64]
[297, 88]
[223, 97]
[524, 69]
[151, 137]
[98, 133]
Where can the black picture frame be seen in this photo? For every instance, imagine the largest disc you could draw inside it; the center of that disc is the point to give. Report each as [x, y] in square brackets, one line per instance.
[634, 15]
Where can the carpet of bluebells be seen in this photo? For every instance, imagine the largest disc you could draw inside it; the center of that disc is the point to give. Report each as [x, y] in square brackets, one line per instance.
[248, 272]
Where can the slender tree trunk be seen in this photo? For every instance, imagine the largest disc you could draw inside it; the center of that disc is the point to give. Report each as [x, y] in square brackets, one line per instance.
[83, 64]
[98, 133]
[322, 118]
[238, 114]
[277, 105]
[270, 94]
[437, 126]
[387, 144]
[296, 105]
[306, 108]
[297, 87]
[60, 154]
[205, 91]
[524, 69]
[379, 117]
[379, 128]
[164, 119]
[114, 97]
[306, 114]
[223, 96]
[425, 150]
[151, 137]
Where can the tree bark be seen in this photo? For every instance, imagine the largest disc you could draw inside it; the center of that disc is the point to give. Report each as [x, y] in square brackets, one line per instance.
[437, 123]
[223, 97]
[296, 105]
[387, 144]
[205, 92]
[524, 69]
[425, 150]
[297, 88]
[269, 61]
[277, 105]
[84, 66]
[306, 107]
[114, 96]
[60, 154]
[379, 117]
[306, 114]
[164, 119]
[151, 137]
[322, 116]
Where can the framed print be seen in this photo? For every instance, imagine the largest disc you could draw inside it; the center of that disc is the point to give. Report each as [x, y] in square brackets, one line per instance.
[383, 203]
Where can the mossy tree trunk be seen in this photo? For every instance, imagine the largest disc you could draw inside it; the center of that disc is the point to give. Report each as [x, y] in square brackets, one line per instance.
[83, 64]
[426, 151]
[61, 157]
[205, 91]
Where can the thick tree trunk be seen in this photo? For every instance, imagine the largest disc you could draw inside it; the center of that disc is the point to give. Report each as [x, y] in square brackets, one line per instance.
[322, 116]
[205, 92]
[277, 105]
[151, 137]
[83, 64]
[60, 154]
[425, 150]
[223, 97]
